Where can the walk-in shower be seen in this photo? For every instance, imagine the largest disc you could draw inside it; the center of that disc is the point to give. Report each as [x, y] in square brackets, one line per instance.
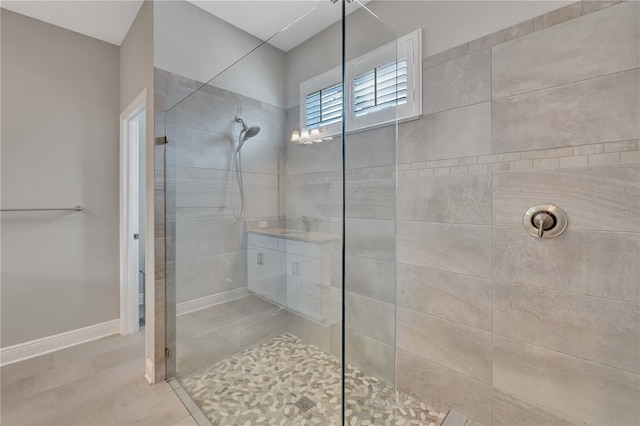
[376, 269]
[245, 134]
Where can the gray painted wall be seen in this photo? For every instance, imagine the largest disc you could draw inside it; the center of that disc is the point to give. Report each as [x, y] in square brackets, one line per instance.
[60, 104]
[136, 74]
[195, 44]
[136, 57]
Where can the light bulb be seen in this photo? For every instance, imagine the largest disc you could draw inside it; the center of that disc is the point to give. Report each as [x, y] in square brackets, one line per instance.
[315, 132]
[317, 140]
[295, 136]
[304, 134]
[328, 138]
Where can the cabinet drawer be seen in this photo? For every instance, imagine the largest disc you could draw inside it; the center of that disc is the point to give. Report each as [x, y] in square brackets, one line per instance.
[262, 241]
[300, 247]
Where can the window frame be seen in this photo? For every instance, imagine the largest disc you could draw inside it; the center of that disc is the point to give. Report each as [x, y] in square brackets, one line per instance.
[407, 47]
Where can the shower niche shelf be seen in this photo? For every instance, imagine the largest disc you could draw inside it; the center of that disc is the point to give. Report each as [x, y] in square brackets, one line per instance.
[294, 274]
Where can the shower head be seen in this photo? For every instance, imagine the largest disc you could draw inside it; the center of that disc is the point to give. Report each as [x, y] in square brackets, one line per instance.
[246, 132]
[251, 132]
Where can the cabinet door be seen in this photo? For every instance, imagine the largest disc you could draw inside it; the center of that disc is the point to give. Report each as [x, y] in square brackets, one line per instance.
[262, 272]
[304, 292]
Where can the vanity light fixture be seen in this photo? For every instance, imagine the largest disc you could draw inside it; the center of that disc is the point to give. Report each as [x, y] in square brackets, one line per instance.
[306, 137]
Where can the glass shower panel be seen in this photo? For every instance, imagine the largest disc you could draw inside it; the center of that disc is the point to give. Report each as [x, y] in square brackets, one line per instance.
[374, 76]
[254, 236]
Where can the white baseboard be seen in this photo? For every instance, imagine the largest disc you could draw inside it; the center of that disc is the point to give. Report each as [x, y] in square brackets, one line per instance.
[44, 345]
[207, 301]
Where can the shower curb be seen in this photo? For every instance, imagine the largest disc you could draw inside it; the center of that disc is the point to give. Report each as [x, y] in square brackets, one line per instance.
[453, 418]
[189, 404]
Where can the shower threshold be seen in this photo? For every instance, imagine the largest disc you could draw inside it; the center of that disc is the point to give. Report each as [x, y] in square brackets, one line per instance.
[263, 384]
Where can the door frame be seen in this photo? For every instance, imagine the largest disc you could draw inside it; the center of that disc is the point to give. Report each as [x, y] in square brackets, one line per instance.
[129, 212]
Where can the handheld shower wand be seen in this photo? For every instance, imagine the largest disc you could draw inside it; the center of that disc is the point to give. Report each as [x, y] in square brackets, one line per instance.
[245, 134]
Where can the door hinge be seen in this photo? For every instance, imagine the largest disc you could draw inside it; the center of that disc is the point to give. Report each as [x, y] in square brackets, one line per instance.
[166, 352]
[136, 236]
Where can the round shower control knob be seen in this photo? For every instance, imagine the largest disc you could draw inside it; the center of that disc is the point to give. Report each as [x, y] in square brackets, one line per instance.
[544, 221]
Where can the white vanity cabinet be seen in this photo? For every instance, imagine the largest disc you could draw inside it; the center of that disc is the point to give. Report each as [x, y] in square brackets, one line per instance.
[294, 274]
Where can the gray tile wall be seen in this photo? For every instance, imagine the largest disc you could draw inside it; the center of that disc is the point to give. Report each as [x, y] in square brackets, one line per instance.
[491, 322]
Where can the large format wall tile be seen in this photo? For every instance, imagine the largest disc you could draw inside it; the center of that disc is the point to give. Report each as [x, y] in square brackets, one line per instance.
[602, 330]
[200, 198]
[371, 317]
[443, 388]
[371, 148]
[585, 390]
[202, 237]
[370, 197]
[593, 45]
[455, 133]
[464, 198]
[371, 238]
[457, 248]
[370, 355]
[315, 158]
[596, 110]
[307, 200]
[270, 119]
[261, 200]
[204, 149]
[371, 277]
[198, 148]
[462, 298]
[203, 276]
[594, 263]
[260, 157]
[599, 198]
[206, 111]
[463, 81]
[458, 347]
[509, 410]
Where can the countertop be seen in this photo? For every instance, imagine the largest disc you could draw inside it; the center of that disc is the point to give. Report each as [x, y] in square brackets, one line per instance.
[297, 235]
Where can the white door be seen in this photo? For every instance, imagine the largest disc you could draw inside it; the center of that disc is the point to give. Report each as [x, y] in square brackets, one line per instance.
[132, 216]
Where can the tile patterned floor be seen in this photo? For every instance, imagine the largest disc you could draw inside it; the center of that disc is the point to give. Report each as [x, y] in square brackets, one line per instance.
[262, 384]
[95, 383]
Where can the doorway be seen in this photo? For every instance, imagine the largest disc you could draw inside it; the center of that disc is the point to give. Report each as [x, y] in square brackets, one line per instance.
[132, 216]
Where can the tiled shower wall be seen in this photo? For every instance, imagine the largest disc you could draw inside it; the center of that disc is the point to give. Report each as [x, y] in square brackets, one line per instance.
[492, 322]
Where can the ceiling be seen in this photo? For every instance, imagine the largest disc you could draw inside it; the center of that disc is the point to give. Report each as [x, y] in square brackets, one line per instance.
[264, 18]
[110, 20]
[105, 20]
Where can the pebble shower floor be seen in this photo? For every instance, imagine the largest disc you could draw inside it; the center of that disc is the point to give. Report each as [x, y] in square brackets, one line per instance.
[262, 385]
